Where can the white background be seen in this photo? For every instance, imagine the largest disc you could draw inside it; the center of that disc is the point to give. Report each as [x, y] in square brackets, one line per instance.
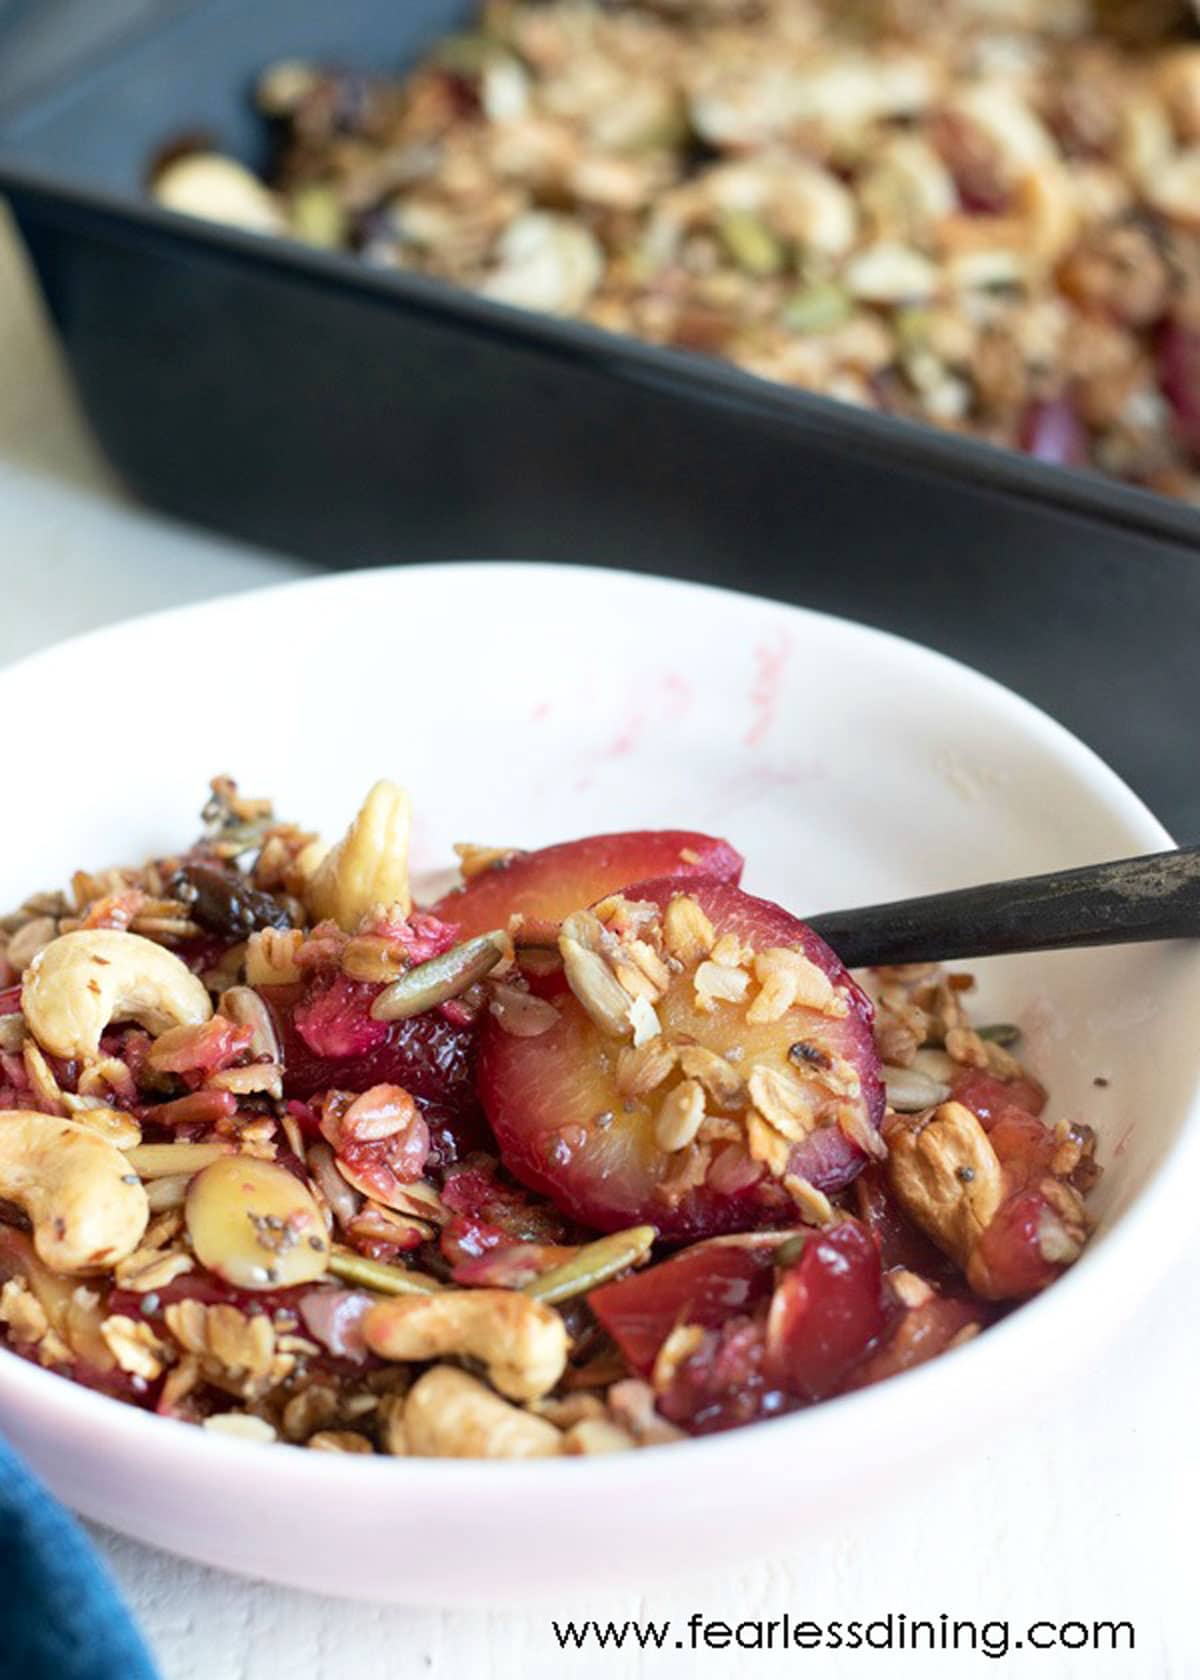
[1085, 1510]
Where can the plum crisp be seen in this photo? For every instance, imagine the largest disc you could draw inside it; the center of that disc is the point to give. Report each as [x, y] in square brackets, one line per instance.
[595, 1152]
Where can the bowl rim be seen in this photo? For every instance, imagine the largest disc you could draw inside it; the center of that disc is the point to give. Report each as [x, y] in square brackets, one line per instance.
[1142, 1245]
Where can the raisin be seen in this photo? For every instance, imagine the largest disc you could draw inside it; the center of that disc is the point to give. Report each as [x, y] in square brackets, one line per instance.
[224, 902]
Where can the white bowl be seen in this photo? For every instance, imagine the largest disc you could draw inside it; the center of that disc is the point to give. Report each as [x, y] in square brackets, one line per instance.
[523, 704]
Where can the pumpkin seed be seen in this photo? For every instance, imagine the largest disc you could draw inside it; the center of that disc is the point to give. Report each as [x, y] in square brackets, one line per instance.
[909, 1090]
[439, 979]
[465, 54]
[317, 216]
[912, 328]
[790, 1251]
[750, 242]
[817, 309]
[1004, 1033]
[379, 1276]
[594, 1264]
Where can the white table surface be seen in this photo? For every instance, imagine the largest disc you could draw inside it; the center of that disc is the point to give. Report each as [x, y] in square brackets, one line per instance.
[1085, 1510]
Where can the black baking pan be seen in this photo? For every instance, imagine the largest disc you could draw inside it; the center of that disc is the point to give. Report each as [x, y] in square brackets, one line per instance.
[307, 402]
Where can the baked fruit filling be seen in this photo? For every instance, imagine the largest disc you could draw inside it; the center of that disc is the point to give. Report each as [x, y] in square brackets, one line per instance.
[595, 1152]
[708, 1067]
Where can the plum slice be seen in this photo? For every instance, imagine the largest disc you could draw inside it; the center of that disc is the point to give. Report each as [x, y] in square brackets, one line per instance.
[428, 1055]
[546, 885]
[827, 1312]
[706, 1284]
[712, 1068]
[744, 1327]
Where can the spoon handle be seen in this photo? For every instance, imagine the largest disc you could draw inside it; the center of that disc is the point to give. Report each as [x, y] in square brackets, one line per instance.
[1155, 897]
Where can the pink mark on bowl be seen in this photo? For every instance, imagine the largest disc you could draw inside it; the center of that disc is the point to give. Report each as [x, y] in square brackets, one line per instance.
[668, 700]
[771, 661]
[761, 780]
[626, 738]
[541, 711]
[677, 694]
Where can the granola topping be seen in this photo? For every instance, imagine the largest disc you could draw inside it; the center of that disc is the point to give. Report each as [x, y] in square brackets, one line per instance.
[632, 1172]
[925, 213]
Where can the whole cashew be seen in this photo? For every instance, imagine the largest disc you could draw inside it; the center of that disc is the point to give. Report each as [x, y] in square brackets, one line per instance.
[84, 980]
[86, 1204]
[369, 866]
[451, 1415]
[943, 1171]
[522, 1343]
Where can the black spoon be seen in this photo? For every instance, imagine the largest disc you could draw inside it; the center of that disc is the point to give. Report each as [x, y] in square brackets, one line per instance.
[1156, 897]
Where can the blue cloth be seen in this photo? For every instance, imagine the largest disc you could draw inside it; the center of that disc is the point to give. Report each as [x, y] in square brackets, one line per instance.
[60, 1616]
